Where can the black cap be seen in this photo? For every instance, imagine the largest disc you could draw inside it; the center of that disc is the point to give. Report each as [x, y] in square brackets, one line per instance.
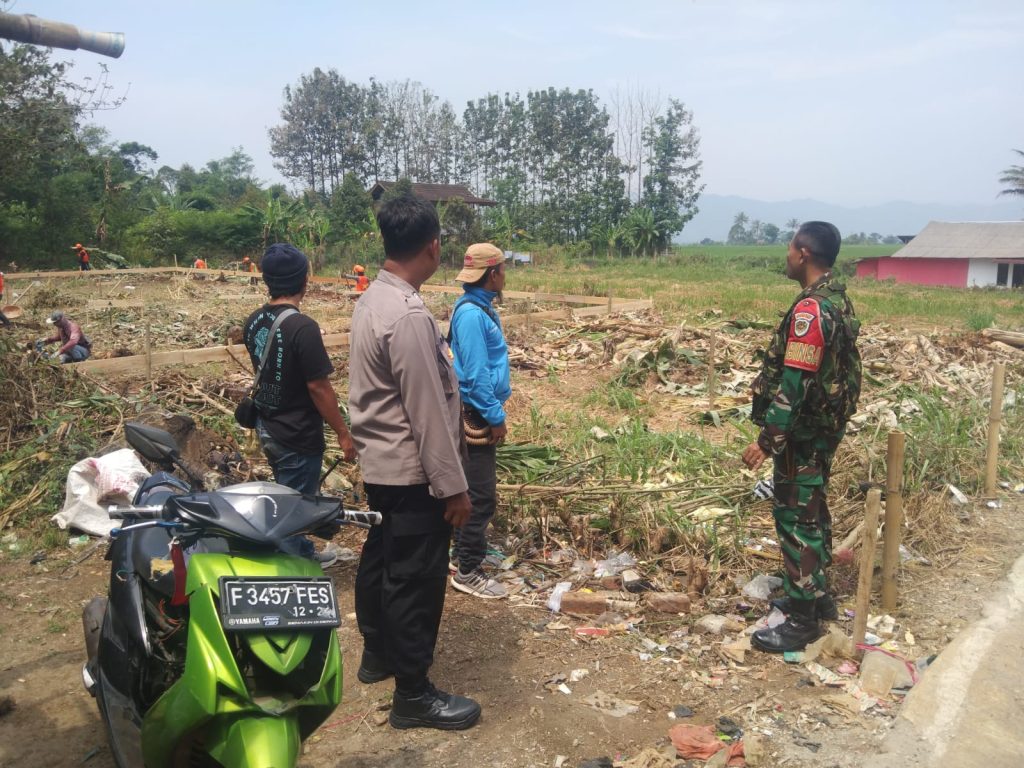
[284, 269]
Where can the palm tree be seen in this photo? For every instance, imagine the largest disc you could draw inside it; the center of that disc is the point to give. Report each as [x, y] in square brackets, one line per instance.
[1014, 176]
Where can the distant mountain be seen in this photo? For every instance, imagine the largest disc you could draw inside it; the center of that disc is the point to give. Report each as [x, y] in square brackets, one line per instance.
[896, 218]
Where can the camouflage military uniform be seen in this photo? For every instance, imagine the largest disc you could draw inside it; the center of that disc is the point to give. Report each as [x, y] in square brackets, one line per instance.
[806, 393]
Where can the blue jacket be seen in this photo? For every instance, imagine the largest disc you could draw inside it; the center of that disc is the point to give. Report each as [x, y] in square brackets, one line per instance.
[480, 355]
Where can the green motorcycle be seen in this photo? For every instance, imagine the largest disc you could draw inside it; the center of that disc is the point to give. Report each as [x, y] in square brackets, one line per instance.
[213, 648]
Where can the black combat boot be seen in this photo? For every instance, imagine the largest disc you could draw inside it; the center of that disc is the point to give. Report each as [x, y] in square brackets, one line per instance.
[431, 708]
[372, 668]
[824, 607]
[799, 629]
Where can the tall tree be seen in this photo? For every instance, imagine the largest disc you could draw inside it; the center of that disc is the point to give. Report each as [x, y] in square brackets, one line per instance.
[671, 186]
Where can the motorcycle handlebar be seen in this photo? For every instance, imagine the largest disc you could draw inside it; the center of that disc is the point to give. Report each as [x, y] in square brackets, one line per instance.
[152, 512]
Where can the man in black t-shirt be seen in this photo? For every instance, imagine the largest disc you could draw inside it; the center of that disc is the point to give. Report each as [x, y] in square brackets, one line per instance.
[295, 396]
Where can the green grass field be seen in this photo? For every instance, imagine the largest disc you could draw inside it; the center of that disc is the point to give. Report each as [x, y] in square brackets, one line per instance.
[747, 282]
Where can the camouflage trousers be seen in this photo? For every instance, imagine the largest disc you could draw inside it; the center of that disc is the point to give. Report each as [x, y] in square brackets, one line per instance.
[802, 520]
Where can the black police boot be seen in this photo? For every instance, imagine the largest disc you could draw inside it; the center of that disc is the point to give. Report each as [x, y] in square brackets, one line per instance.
[799, 629]
[824, 607]
[433, 709]
[372, 668]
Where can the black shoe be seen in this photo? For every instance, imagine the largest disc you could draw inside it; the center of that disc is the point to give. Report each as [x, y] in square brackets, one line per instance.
[372, 669]
[795, 634]
[433, 709]
[824, 607]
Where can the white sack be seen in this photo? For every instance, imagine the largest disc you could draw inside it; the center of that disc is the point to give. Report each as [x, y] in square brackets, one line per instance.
[94, 484]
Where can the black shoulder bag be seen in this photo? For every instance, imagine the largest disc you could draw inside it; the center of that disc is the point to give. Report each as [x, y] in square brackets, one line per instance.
[246, 411]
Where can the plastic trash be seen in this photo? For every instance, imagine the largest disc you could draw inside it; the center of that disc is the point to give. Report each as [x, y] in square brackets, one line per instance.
[78, 541]
[760, 587]
[701, 742]
[555, 600]
[614, 565]
[764, 489]
[958, 496]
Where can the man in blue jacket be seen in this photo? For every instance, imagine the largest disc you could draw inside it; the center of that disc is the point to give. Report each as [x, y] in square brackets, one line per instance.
[481, 363]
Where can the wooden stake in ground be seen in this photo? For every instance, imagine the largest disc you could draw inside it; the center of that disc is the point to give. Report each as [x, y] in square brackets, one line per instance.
[995, 417]
[867, 566]
[149, 355]
[893, 518]
[712, 384]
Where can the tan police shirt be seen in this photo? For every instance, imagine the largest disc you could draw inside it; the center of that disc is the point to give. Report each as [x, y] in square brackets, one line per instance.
[403, 393]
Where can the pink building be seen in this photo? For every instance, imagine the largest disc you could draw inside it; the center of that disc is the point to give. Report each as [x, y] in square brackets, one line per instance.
[960, 255]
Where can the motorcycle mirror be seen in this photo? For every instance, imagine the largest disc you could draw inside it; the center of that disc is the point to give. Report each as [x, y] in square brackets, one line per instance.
[153, 443]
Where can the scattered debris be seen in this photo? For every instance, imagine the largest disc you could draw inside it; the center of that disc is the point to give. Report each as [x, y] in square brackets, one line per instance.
[760, 587]
[713, 624]
[701, 742]
[881, 672]
[668, 602]
[958, 496]
[610, 705]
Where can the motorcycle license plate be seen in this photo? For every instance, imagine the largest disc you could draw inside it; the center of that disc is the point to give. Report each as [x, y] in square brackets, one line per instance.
[263, 604]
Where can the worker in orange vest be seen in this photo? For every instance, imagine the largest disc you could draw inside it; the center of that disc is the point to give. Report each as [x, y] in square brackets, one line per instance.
[83, 257]
[362, 281]
[248, 266]
[200, 263]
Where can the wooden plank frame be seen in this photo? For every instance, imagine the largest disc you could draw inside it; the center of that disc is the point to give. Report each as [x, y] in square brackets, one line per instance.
[577, 307]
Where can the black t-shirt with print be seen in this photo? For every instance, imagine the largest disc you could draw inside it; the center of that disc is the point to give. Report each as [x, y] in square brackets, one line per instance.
[296, 357]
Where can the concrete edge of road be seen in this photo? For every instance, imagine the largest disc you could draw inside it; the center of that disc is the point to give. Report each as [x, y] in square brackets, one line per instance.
[959, 706]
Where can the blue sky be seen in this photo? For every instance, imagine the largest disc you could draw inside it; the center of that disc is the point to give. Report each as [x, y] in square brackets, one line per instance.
[851, 102]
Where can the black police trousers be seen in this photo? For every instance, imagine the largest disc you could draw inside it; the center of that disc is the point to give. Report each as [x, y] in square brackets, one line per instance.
[401, 581]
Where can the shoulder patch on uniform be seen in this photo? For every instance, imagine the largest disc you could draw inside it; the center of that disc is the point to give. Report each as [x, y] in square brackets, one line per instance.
[806, 342]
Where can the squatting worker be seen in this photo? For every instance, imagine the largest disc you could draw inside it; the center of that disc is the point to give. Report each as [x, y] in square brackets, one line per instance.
[407, 424]
[74, 344]
[481, 363]
[805, 395]
[362, 281]
[295, 395]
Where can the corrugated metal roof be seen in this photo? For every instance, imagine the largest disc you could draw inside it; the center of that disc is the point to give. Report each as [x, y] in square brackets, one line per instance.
[966, 240]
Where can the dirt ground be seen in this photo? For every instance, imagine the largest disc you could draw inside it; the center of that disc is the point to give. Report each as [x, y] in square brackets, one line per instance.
[501, 653]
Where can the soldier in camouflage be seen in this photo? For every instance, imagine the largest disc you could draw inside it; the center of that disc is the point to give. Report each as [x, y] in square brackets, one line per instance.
[803, 398]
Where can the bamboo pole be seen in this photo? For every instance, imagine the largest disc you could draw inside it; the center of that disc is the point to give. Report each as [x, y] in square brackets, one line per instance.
[712, 384]
[893, 518]
[867, 566]
[995, 417]
[149, 354]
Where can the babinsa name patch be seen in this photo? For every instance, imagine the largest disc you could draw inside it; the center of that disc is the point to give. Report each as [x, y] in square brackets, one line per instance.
[806, 343]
